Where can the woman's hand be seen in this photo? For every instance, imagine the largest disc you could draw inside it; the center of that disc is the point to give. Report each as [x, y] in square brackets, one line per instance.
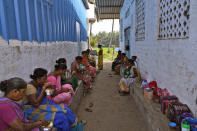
[43, 123]
[46, 85]
[73, 73]
[66, 90]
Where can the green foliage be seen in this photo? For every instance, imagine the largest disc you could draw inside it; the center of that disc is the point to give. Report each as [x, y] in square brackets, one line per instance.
[108, 56]
[104, 38]
[93, 41]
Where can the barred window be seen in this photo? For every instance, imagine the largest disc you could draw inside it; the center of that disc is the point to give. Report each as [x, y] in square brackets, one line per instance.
[174, 19]
[140, 20]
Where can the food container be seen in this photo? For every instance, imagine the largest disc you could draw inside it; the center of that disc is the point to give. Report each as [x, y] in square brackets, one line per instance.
[48, 128]
[148, 93]
[172, 125]
[48, 92]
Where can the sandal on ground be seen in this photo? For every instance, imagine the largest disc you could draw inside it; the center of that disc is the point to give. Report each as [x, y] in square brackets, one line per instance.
[88, 110]
[91, 104]
[84, 122]
[124, 94]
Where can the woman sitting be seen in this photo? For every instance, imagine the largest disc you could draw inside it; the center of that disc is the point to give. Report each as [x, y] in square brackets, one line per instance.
[37, 106]
[87, 65]
[63, 94]
[124, 64]
[11, 116]
[120, 68]
[68, 77]
[130, 76]
[91, 59]
[117, 61]
[78, 70]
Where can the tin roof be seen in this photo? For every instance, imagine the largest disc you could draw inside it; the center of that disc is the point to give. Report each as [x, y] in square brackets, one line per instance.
[85, 2]
[108, 9]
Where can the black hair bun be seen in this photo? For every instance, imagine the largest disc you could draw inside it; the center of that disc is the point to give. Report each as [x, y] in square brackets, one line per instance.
[4, 85]
[56, 66]
[32, 77]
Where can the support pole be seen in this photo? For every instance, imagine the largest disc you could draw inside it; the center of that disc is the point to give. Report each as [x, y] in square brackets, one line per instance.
[111, 36]
[89, 44]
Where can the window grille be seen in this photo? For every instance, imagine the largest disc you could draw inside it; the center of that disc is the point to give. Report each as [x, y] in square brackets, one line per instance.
[174, 19]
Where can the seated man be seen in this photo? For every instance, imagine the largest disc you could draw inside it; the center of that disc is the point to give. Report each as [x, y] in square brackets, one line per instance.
[11, 116]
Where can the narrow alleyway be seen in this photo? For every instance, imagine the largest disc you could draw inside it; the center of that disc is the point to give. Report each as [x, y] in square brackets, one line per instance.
[110, 112]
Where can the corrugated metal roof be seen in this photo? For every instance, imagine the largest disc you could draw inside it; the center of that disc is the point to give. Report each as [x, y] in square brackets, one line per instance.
[108, 9]
[85, 2]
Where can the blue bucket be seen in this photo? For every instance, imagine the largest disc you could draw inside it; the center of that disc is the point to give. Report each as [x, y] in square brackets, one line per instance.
[192, 122]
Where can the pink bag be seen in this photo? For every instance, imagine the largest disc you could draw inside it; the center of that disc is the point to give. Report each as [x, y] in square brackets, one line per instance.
[162, 93]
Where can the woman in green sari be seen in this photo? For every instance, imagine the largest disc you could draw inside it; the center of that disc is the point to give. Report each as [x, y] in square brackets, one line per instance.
[68, 78]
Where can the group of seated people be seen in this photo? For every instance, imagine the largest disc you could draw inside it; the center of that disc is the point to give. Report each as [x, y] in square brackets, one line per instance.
[44, 101]
[128, 69]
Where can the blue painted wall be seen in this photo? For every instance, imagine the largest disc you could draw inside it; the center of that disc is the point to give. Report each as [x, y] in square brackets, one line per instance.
[42, 20]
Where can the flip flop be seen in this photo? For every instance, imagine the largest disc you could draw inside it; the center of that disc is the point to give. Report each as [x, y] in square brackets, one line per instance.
[91, 104]
[84, 122]
[88, 110]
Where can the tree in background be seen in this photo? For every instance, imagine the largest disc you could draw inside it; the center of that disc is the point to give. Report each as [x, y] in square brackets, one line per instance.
[93, 41]
[104, 39]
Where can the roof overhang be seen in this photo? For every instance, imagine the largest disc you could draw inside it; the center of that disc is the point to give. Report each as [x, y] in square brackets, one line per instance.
[85, 2]
[91, 1]
[108, 9]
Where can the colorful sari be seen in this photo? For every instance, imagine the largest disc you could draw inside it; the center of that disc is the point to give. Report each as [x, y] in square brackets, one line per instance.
[16, 107]
[88, 67]
[61, 116]
[100, 59]
[126, 81]
[80, 74]
[63, 98]
[73, 81]
[92, 60]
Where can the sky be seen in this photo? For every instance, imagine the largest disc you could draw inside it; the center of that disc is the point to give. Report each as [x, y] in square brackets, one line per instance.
[102, 25]
[105, 25]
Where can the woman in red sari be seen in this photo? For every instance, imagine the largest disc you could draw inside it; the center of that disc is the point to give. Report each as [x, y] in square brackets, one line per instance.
[87, 65]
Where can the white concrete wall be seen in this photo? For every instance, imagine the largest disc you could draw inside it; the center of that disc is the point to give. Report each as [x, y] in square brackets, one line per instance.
[171, 62]
[128, 22]
[21, 58]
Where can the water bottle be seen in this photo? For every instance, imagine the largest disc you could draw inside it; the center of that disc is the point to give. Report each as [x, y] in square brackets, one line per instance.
[185, 126]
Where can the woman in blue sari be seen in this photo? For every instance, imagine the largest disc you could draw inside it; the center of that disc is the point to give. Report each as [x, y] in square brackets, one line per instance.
[37, 106]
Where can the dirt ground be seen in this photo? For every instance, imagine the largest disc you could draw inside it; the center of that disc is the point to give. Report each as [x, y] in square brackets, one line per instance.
[110, 112]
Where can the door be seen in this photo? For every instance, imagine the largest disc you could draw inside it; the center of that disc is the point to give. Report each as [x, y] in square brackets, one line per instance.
[78, 31]
[127, 41]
